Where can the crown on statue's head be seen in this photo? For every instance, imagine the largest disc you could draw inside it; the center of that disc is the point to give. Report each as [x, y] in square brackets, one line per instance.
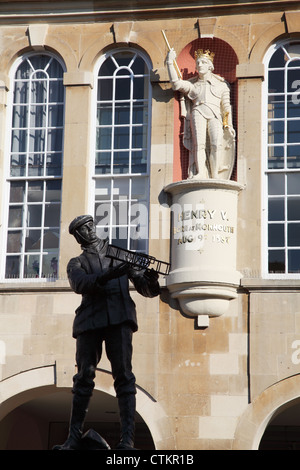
[200, 53]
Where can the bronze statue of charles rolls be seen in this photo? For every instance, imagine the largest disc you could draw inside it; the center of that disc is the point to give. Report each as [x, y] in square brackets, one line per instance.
[106, 315]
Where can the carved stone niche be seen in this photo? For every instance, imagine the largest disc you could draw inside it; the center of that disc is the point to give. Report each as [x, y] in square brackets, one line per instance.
[203, 274]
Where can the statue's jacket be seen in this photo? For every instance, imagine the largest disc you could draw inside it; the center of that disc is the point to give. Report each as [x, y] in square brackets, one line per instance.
[104, 304]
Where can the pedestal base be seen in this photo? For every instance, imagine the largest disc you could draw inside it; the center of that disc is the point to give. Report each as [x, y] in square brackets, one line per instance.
[203, 274]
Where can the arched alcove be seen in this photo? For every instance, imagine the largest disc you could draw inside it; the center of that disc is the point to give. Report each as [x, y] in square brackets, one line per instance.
[266, 409]
[225, 62]
[41, 422]
[283, 430]
[31, 404]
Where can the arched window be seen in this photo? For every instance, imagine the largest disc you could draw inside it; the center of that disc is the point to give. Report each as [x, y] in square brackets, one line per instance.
[281, 148]
[35, 168]
[121, 171]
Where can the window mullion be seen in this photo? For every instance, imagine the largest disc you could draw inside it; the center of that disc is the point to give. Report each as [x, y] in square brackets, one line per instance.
[25, 202]
[28, 126]
[131, 123]
[129, 214]
[112, 146]
[42, 228]
[25, 229]
[111, 214]
[286, 224]
[285, 118]
[46, 125]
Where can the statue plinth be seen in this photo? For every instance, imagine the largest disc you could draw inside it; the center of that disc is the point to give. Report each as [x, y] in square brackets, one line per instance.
[203, 274]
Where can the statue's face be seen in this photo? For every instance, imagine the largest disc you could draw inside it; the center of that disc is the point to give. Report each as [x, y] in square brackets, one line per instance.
[87, 232]
[203, 66]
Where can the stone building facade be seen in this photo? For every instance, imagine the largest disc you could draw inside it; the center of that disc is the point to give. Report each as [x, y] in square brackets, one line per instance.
[232, 383]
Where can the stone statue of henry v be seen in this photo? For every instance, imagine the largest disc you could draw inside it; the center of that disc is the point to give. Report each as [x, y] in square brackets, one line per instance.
[209, 134]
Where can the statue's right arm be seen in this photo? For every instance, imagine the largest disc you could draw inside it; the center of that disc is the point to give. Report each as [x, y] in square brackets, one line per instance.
[80, 281]
[173, 76]
[177, 83]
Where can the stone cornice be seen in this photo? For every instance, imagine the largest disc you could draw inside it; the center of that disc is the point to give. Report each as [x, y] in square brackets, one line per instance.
[19, 286]
[29, 11]
[270, 285]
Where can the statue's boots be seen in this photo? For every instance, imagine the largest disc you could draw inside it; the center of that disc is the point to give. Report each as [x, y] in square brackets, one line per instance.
[127, 405]
[78, 414]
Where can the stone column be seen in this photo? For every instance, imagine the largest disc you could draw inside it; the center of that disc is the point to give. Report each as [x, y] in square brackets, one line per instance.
[76, 164]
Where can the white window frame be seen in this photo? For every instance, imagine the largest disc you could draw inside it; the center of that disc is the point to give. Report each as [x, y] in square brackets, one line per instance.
[266, 171]
[29, 178]
[114, 180]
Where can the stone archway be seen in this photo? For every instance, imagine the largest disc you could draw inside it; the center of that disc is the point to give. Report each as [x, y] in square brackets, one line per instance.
[262, 410]
[33, 399]
[42, 422]
[283, 430]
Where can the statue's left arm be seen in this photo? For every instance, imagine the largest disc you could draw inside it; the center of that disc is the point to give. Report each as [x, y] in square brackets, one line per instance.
[145, 281]
[226, 109]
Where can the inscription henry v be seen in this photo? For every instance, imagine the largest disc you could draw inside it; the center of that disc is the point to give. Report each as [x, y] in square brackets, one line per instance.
[194, 226]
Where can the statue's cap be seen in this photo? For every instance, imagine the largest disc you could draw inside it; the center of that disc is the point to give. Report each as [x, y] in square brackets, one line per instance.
[78, 221]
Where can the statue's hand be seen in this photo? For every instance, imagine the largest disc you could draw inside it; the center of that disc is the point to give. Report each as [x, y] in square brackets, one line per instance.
[171, 56]
[231, 131]
[151, 276]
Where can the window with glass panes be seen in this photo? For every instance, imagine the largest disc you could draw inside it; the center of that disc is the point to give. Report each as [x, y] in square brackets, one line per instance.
[35, 170]
[121, 173]
[283, 159]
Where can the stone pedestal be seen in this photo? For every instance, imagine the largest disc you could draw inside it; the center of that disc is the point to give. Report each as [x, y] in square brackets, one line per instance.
[203, 274]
